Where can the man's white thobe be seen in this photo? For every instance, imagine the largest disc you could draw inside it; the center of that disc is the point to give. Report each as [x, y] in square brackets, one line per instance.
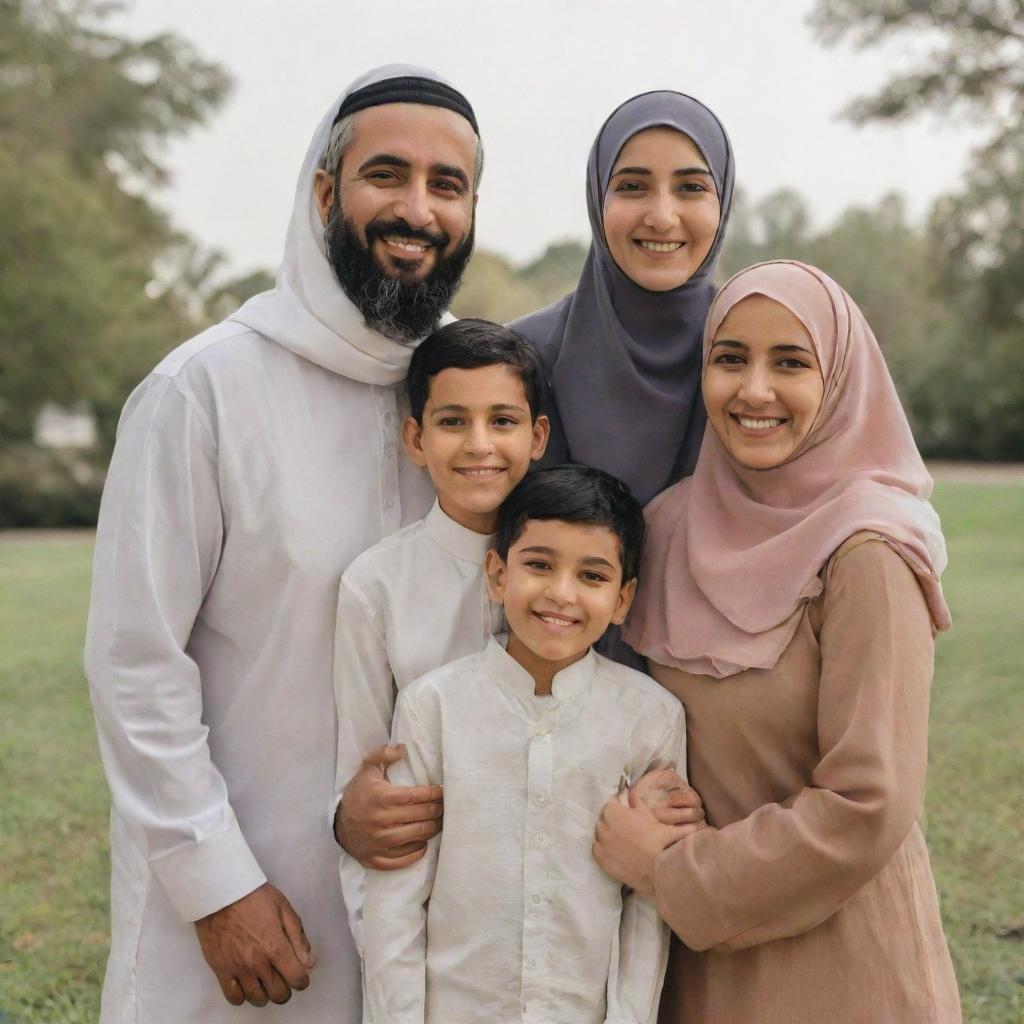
[251, 467]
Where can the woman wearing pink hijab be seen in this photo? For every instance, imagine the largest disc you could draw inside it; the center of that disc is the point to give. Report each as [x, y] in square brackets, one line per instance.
[789, 598]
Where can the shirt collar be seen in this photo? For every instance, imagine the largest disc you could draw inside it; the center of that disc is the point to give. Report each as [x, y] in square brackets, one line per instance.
[567, 684]
[466, 544]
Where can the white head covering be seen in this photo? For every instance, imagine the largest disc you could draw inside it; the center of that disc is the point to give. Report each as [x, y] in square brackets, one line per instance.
[308, 312]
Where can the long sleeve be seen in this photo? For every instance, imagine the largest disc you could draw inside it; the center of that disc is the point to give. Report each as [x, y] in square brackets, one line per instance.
[364, 695]
[640, 954]
[157, 550]
[789, 866]
[395, 909]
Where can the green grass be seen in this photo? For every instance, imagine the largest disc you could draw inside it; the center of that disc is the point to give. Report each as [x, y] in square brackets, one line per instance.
[53, 858]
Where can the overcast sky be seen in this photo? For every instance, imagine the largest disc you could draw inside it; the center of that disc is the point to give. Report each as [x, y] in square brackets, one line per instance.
[542, 76]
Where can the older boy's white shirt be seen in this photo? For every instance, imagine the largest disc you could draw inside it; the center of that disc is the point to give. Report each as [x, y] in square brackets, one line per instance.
[412, 603]
[521, 924]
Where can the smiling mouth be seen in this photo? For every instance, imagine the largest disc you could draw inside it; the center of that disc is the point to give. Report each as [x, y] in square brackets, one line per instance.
[760, 424]
[480, 472]
[650, 246]
[560, 623]
[407, 246]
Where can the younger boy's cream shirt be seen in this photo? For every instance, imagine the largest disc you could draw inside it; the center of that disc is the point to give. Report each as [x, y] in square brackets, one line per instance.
[521, 925]
[413, 602]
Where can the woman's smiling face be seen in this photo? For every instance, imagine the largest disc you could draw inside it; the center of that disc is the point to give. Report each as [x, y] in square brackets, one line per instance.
[762, 385]
[661, 211]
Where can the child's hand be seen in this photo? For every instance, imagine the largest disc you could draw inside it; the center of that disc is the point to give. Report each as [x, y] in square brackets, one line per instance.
[384, 826]
[669, 797]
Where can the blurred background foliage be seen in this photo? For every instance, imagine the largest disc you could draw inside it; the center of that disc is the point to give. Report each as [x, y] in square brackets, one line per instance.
[96, 284]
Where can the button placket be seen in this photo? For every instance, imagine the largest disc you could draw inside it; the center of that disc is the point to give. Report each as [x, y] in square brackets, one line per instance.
[536, 857]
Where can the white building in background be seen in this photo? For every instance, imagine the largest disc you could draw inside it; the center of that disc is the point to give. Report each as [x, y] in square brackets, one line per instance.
[56, 427]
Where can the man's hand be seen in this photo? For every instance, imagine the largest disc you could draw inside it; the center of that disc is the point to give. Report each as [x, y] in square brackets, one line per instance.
[257, 948]
[384, 826]
[668, 795]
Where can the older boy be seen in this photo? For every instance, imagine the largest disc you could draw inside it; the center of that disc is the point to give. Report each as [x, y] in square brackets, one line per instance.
[508, 917]
[418, 599]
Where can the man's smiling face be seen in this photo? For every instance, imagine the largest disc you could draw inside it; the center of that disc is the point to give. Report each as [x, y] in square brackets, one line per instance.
[399, 214]
[406, 185]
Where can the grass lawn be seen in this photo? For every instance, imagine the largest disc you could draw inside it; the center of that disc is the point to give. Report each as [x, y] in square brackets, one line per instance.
[54, 862]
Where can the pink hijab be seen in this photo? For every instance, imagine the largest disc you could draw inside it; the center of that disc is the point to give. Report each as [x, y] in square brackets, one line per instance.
[733, 554]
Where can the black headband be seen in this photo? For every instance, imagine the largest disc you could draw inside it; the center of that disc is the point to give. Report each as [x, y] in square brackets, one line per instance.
[408, 89]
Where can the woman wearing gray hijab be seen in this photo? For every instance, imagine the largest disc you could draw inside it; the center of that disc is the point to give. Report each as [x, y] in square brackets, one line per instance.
[623, 351]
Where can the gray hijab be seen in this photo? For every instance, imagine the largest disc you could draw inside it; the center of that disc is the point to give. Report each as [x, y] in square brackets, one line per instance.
[623, 362]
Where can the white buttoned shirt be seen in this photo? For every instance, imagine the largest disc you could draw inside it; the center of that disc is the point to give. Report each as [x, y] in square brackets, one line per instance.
[414, 602]
[508, 918]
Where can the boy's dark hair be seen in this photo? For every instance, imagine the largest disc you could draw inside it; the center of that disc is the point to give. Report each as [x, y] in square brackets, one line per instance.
[575, 494]
[466, 345]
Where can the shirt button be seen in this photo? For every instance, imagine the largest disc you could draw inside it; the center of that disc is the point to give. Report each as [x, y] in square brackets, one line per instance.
[542, 839]
[542, 798]
[530, 962]
[389, 502]
[541, 734]
[389, 418]
[390, 451]
[535, 899]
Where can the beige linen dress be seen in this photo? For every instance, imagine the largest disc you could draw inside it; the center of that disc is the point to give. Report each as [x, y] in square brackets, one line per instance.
[812, 899]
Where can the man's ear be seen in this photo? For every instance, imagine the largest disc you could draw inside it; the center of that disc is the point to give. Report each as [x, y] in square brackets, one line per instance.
[541, 434]
[626, 595]
[496, 574]
[323, 191]
[412, 438]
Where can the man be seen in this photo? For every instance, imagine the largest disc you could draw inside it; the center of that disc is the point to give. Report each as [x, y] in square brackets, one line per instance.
[252, 465]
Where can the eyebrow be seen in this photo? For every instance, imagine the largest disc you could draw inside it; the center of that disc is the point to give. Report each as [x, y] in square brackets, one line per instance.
[729, 343]
[390, 160]
[500, 407]
[590, 560]
[646, 171]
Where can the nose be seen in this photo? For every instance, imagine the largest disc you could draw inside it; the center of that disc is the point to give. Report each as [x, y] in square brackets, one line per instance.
[478, 440]
[661, 213]
[756, 386]
[560, 588]
[414, 205]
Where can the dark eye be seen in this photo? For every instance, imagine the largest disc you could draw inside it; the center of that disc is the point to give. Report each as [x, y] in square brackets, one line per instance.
[538, 564]
[505, 421]
[794, 363]
[444, 185]
[592, 576]
[729, 359]
[629, 186]
[693, 186]
[449, 421]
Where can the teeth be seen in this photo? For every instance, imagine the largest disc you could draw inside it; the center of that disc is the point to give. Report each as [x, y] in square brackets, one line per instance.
[661, 246]
[554, 621]
[758, 424]
[401, 243]
[479, 474]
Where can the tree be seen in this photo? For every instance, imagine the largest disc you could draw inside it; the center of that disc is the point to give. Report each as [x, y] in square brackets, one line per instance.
[83, 114]
[973, 66]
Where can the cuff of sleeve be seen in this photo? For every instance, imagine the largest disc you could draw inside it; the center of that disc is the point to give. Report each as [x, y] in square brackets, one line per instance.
[682, 896]
[205, 876]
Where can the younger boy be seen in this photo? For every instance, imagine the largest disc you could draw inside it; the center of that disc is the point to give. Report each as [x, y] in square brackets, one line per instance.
[418, 599]
[508, 917]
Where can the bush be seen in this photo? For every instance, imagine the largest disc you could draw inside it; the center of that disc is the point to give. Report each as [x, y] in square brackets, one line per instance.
[47, 487]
